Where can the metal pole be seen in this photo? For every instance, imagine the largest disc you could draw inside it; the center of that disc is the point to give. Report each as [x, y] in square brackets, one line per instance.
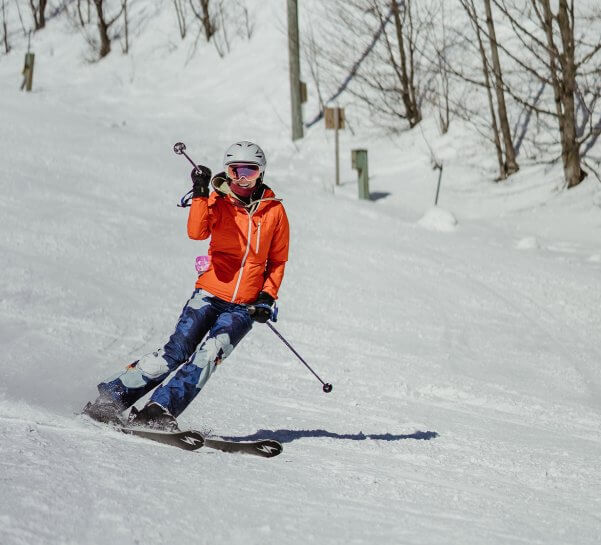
[294, 61]
[439, 167]
[180, 149]
[327, 387]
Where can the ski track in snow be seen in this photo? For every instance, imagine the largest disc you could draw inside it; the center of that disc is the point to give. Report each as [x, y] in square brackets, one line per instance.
[466, 372]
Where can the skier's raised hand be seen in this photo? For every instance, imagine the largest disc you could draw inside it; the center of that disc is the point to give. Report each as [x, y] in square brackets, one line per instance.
[201, 177]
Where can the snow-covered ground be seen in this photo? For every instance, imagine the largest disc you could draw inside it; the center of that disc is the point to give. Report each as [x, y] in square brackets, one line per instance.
[462, 342]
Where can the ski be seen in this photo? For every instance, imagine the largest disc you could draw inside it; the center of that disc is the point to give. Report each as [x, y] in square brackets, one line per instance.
[187, 440]
[193, 440]
[266, 448]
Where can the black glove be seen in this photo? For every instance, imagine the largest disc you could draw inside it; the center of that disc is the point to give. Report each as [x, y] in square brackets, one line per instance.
[262, 311]
[201, 176]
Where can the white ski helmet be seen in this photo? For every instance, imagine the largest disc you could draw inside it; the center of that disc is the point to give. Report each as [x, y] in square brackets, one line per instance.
[245, 152]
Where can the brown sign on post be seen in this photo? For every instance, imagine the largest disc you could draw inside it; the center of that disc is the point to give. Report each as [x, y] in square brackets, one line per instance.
[330, 117]
[303, 92]
[334, 118]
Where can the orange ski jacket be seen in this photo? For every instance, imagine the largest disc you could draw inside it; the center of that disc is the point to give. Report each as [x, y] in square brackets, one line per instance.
[248, 248]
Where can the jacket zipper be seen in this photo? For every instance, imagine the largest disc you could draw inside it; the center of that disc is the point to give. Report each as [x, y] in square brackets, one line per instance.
[248, 239]
[258, 236]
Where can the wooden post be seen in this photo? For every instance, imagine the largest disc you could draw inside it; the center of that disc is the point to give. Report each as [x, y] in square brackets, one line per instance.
[336, 127]
[334, 118]
[294, 63]
[28, 72]
[359, 162]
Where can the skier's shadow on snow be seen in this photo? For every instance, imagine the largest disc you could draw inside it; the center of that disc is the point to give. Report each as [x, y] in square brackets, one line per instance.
[287, 436]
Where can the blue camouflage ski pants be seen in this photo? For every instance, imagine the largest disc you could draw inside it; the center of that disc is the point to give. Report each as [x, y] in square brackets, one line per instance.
[226, 325]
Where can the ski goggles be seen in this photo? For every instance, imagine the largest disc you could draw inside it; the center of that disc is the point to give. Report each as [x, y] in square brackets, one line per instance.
[237, 171]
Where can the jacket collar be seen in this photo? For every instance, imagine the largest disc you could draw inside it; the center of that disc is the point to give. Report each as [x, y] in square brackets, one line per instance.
[222, 188]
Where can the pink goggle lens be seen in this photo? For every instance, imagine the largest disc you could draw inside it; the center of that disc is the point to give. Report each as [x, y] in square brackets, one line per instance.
[236, 171]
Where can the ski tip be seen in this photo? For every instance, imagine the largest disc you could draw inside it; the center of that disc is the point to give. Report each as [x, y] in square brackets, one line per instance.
[266, 448]
[269, 448]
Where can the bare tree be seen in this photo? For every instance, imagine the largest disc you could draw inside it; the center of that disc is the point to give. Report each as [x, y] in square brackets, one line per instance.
[4, 28]
[83, 21]
[38, 10]
[205, 16]
[312, 59]
[562, 61]
[562, 67]
[247, 21]
[373, 49]
[443, 101]
[470, 9]
[493, 84]
[220, 22]
[405, 68]
[180, 13]
[125, 27]
[436, 68]
[511, 165]
[104, 24]
[223, 27]
[21, 18]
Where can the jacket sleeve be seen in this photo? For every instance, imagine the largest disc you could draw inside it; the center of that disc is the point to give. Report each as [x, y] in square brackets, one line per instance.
[278, 255]
[200, 219]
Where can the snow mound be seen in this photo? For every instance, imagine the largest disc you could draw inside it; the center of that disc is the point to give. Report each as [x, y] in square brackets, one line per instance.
[438, 219]
[527, 243]
[595, 258]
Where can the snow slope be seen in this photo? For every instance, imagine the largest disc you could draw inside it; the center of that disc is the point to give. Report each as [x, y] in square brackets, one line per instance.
[465, 361]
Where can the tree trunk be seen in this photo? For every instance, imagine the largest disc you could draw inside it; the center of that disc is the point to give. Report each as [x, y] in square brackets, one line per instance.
[206, 20]
[491, 106]
[408, 97]
[105, 42]
[563, 77]
[42, 14]
[444, 110]
[510, 158]
[470, 9]
[39, 13]
[125, 26]
[181, 18]
[4, 29]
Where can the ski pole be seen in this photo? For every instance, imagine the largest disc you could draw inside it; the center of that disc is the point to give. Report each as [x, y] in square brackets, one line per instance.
[180, 149]
[327, 387]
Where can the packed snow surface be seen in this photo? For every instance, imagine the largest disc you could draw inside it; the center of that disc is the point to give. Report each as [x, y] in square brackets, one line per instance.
[466, 372]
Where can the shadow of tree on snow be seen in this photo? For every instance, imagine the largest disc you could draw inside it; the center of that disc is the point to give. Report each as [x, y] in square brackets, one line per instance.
[287, 436]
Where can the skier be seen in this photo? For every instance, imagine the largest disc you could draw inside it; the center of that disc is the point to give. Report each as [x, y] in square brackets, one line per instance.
[248, 252]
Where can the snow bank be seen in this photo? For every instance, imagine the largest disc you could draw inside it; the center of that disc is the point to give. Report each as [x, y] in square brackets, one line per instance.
[438, 219]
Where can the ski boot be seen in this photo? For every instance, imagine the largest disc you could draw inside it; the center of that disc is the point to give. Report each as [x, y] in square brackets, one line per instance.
[153, 416]
[105, 409]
